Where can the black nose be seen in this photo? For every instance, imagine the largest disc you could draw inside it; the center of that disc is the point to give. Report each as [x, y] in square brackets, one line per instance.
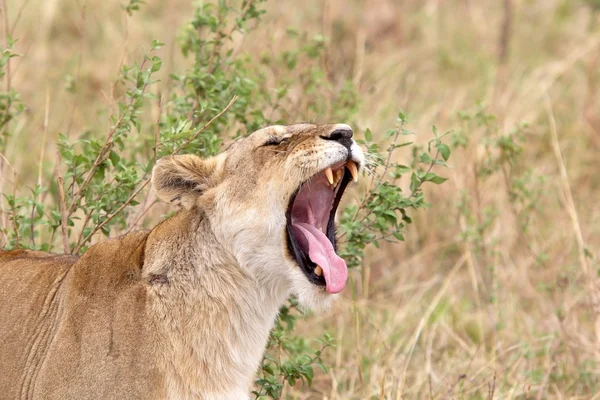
[339, 134]
[343, 136]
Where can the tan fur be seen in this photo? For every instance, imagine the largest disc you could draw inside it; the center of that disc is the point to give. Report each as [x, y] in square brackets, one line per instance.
[180, 312]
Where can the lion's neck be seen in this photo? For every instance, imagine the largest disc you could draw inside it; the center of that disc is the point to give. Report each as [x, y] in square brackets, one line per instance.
[213, 319]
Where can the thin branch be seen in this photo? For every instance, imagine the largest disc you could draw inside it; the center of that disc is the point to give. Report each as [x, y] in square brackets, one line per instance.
[63, 205]
[379, 177]
[81, 232]
[3, 218]
[89, 214]
[107, 220]
[504, 43]
[157, 130]
[15, 227]
[6, 36]
[199, 131]
[44, 136]
[145, 182]
[492, 388]
[366, 198]
[40, 165]
[139, 217]
[103, 151]
[82, 37]
[18, 17]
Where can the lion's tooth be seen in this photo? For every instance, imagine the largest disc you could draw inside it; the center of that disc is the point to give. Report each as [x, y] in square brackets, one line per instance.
[329, 175]
[338, 175]
[353, 170]
[318, 270]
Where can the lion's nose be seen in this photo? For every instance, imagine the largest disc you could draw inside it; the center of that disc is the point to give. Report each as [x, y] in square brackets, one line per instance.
[340, 133]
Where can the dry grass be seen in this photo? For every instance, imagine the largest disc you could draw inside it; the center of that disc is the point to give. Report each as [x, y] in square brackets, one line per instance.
[504, 313]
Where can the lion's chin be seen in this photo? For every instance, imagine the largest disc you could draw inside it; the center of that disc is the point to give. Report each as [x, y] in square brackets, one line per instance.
[310, 296]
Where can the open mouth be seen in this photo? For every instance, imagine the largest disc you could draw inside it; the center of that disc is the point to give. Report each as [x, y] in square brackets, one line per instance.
[311, 226]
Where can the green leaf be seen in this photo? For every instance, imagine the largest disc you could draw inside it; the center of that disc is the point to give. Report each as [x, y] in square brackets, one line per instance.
[444, 151]
[398, 145]
[156, 44]
[434, 178]
[414, 182]
[402, 169]
[399, 236]
[309, 374]
[425, 158]
[402, 117]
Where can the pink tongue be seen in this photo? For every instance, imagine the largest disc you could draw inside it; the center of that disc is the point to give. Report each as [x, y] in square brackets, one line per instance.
[321, 252]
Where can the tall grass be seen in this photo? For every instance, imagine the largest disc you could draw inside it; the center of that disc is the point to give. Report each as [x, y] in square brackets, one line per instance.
[494, 293]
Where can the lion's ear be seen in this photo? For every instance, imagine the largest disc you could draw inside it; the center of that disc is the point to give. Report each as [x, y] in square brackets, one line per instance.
[181, 179]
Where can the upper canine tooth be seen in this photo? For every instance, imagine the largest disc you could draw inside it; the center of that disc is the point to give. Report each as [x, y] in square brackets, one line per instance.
[351, 165]
[329, 175]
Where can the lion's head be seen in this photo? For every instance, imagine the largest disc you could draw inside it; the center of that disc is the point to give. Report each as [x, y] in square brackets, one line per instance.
[271, 199]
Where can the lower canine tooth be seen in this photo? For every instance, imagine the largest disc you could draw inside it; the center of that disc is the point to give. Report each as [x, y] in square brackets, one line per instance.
[318, 270]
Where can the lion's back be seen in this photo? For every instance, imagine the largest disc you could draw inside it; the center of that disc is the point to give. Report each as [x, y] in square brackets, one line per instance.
[28, 284]
[73, 327]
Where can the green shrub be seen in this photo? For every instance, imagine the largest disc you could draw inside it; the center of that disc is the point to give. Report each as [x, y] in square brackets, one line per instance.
[100, 178]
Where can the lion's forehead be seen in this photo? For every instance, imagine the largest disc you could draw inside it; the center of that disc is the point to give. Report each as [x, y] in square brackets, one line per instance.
[301, 129]
[251, 158]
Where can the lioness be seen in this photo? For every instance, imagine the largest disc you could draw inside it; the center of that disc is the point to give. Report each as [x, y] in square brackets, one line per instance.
[184, 311]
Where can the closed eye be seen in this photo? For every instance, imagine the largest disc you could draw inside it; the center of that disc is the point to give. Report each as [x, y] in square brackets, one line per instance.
[274, 141]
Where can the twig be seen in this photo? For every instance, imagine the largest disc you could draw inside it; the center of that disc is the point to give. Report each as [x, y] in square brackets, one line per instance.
[89, 215]
[360, 207]
[379, 178]
[3, 160]
[14, 219]
[42, 154]
[492, 387]
[63, 205]
[8, 74]
[157, 130]
[82, 37]
[133, 220]
[222, 36]
[18, 17]
[199, 131]
[44, 135]
[81, 232]
[139, 217]
[103, 151]
[107, 220]
[147, 181]
[6, 36]
[361, 38]
[505, 33]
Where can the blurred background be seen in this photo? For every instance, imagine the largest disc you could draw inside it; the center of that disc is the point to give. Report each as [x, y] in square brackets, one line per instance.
[494, 292]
